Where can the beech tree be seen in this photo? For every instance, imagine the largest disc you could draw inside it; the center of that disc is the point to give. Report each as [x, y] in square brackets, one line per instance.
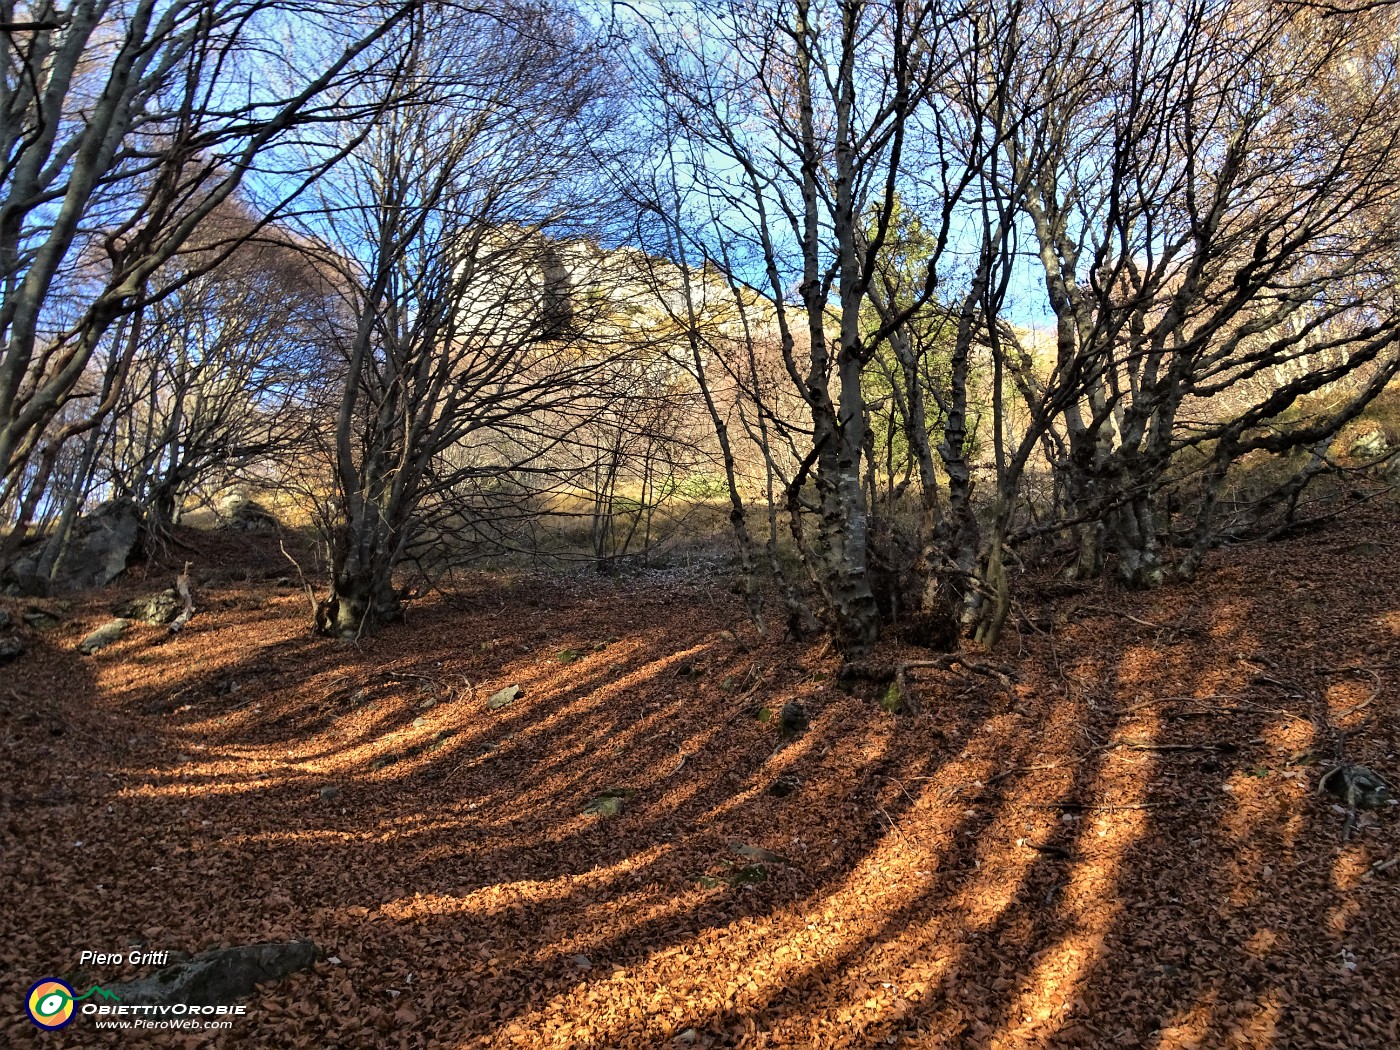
[1211, 192]
[459, 352]
[797, 121]
[126, 123]
[1207, 192]
[213, 382]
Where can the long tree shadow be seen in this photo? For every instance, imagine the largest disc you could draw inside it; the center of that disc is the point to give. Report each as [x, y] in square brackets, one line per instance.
[1122, 849]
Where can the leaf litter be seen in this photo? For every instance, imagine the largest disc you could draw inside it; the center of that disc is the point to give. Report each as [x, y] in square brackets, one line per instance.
[1121, 845]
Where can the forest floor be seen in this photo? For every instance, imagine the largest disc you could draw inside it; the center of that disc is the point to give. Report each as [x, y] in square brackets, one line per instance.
[1123, 847]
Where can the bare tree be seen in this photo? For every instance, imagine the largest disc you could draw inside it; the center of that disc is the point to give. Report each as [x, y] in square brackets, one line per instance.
[1212, 196]
[1208, 192]
[220, 383]
[458, 360]
[214, 382]
[796, 121]
[125, 125]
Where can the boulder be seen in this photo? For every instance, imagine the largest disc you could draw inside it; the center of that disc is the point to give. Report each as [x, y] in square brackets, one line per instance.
[1370, 445]
[22, 576]
[102, 546]
[220, 977]
[10, 649]
[104, 636]
[42, 619]
[503, 698]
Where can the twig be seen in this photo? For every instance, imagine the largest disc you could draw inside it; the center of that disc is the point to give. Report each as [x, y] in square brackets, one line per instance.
[1141, 745]
[306, 587]
[900, 785]
[1083, 807]
[893, 826]
[1354, 670]
[1120, 612]
[1357, 707]
[999, 777]
[946, 664]
[1171, 700]
[1284, 684]
[1383, 865]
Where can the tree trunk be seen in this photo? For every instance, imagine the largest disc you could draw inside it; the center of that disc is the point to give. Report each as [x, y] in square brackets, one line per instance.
[359, 601]
[1133, 526]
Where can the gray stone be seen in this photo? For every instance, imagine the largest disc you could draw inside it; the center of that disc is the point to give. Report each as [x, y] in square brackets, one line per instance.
[156, 609]
[22, 577]
[503, 698]
[10, 649]
[793, 719]
[5, 619]
[102, 546]
[42, 619]
[756, 853]
[218, 978]
[104, 636]
[1370, 445]
[609, 803]
[330, 791]
[1356, 786]
[786, 784]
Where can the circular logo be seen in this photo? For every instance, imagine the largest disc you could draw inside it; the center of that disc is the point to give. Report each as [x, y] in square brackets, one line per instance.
[50, 1003]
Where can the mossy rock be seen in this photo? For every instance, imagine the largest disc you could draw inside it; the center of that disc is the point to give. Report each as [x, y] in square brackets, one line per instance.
[155, 609]
[104, 636]
[609, 803]
[42, 619]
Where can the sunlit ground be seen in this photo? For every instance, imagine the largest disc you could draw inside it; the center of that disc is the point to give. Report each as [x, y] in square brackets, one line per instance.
[1122, 849]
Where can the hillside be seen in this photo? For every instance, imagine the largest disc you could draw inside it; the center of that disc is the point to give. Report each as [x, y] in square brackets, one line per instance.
[1123, 847]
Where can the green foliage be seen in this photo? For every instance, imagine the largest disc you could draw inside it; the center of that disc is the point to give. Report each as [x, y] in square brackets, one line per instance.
[891, 701]
[901, 275]
[703, 486]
